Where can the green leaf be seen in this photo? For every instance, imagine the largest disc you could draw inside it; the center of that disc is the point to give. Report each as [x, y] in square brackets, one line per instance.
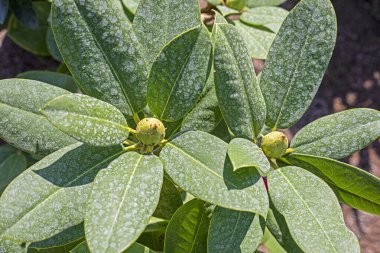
[268, 17]
[197, 162]
[226, 11]
[179, 74]
[87, 119]
[234, 232]
[257, 3]
[170, 200]
[187, 230]
[123, 199]
[154, 234]
[12, 163]
[26, 12]
[60, 80]
[51, 196]
[315, 226]
[31, 37]
[271, 244]
[340, 134]
[131, 5]
[352, 185]
[105, 60]
[297, 61]
[52, 45]
[278, 228]
[4, 4]
[67, 236]
[10, 246]
[158, 22]
[238, 92]
[81, 248]
[258, 41]
[244, 154]
[206, 115]
[60, 249]
[21, 123]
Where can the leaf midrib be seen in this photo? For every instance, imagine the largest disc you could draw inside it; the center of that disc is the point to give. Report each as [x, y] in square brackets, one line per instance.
[308, 209]
[197, 232]
[53, 193]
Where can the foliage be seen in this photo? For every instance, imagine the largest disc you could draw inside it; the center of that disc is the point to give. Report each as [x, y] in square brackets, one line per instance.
[174, 144]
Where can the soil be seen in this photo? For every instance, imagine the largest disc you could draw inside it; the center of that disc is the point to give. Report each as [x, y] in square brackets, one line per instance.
[352, 80]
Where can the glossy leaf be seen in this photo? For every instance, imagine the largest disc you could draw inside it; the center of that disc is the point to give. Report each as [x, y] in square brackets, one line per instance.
[123, 199]
[352, 185]
[12, 163]
[258, 41]
[4, 4]
[25, 11]
[340, 134]
[31, 37]
[297, 61]
[245, 154]
[237, 90]
[187, 230]
[234, 232]
[21, 123]
[87, 119]
[297, 194]
[51, 196]
[170, 200]
[67, 236]
[197, 162]
[179, 74]
[105, 60]
[268, 17]
[206, 115]
[131, 5]
[60, 80]
[257, 3]
[158, 22]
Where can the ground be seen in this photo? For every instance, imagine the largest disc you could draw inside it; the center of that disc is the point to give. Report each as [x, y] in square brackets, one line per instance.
[352, 80]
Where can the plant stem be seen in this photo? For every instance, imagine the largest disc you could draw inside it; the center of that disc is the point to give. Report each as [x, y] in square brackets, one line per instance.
[132, 148]
[131, 130]
[136, 118]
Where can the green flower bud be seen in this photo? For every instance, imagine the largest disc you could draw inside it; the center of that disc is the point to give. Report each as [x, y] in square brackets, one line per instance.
[150, 131]
[236, 4]
[274, 144]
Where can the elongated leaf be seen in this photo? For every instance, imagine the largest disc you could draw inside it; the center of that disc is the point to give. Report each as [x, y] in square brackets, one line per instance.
[12, 163]
[131, 5]
[30, 34]
[226, 11]
[123, 199]
[278, 228]
[198, 163]
[21, 123]
[245, 154]
[81, 248]
[187, 230]
[25, 11]
[51, 196]
[271, 244]
[237, 90]
[340, 134]
[234, 231]
[10, 246]
[315, 226]
[206, 115]
[158, 22]
[60, 249]
[256, 3]
[87, 119]
[268, 17]
[352, 185]
[258, 41]
[297, 61]
[154, 234]
[60, 80]
[52, 45]
[105, 59]
[170, 200]
[67, 236]
[4, 4]
[179, 74]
